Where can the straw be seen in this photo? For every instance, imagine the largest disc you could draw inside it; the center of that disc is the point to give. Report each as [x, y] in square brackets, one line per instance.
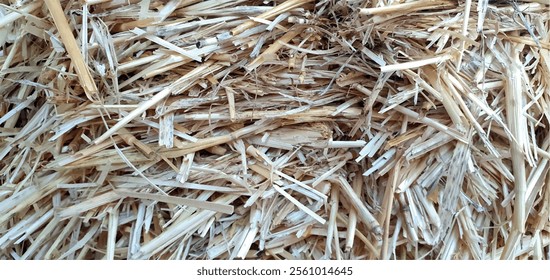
[296, 129]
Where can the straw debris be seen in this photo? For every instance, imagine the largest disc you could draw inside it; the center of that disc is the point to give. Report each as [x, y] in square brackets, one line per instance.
[297, 129]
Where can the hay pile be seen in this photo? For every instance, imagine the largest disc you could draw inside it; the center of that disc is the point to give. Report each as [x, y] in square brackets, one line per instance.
[297, 129]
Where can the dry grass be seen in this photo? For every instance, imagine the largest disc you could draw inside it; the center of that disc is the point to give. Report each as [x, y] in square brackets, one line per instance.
[297, 129]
